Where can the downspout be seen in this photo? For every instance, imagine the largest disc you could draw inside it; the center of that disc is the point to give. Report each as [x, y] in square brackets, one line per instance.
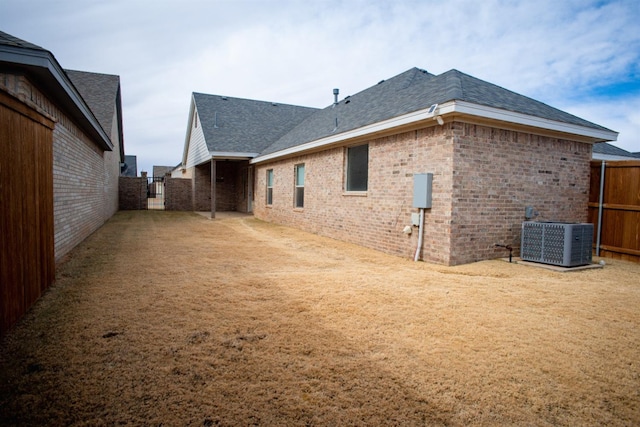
[600, 202]
[419, 248]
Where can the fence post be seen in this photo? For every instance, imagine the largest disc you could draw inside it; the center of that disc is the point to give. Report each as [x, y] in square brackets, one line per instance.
[601, 198]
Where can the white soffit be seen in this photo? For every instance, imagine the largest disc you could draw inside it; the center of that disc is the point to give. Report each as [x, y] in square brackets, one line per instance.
[231, 155]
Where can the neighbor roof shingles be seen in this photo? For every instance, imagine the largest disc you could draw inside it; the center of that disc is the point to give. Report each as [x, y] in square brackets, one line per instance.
[100, 92]
[9, 40]
[611, 150]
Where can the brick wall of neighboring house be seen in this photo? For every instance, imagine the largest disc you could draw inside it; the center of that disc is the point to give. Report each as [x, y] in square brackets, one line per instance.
[178, 194]
[133, 193]
[85, 178]
[497, 173]
[483, 179]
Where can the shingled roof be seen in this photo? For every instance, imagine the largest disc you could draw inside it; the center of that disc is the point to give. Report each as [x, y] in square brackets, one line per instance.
[244, 125]
[611, 150]
[9, 40]
[412, 91]
[101, 92]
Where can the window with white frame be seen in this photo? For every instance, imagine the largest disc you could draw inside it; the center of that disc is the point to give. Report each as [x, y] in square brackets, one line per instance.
[269, 186]
[357, 175]
[299, 186]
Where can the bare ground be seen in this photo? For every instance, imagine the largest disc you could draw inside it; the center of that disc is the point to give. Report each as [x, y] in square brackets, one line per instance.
[164, 318]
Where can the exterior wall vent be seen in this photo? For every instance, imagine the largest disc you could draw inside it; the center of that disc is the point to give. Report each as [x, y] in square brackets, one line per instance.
[563, 244]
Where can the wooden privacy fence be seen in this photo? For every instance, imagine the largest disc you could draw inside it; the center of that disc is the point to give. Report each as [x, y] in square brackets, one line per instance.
[27, 261]
[618, 208]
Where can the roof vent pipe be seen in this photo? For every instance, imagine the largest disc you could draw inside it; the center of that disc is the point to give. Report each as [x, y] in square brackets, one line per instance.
[335, 96]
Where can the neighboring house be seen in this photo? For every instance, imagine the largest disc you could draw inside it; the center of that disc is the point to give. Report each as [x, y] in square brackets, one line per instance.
[347, 171]
[161, 171]
[606, 151]
[61, 147]
[177, 171]
[129, 167]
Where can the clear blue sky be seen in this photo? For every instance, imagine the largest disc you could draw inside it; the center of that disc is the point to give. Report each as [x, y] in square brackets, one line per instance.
[580, 56]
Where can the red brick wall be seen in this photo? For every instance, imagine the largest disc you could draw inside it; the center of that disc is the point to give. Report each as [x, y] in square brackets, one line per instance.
[483, 179]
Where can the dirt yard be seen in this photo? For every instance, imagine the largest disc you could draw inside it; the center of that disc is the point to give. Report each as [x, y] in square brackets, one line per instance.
[172, 319]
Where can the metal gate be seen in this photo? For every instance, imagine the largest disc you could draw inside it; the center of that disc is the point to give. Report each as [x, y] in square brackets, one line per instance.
[155, 193]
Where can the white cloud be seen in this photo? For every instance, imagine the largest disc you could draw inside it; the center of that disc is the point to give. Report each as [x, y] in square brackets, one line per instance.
[622, 116]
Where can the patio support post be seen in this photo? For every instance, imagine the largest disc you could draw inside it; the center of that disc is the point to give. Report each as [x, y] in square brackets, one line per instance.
[213, 188]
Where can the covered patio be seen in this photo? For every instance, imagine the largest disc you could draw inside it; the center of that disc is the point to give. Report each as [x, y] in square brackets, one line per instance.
[223, 185]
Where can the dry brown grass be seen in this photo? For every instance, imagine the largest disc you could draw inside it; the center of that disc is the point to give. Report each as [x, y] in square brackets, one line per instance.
[164, 318]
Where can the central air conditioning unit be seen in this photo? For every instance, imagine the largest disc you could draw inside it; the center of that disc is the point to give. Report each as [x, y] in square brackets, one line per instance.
[556, 243]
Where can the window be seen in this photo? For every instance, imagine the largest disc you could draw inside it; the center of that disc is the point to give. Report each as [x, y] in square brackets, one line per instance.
[269, 186]
[357, 168]
[299, 191]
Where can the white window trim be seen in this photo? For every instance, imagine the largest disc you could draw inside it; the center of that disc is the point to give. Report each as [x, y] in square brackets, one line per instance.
[269, 187]
[296, 186]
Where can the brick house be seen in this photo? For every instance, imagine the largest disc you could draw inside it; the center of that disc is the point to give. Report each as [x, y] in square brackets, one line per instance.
[61, 146]
[347, 171]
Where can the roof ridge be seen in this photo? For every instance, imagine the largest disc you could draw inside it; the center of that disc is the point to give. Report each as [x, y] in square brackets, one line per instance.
[414, 72]
[226, 97]
[67, 70]
[455, 89]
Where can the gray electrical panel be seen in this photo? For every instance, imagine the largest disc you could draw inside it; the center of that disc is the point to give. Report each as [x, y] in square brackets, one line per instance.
[422, 183]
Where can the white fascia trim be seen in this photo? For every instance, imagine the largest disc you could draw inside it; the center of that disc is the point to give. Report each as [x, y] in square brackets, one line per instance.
[187, 138]
[223, 155]
[415, 116]
[463, 107]
[459, 107]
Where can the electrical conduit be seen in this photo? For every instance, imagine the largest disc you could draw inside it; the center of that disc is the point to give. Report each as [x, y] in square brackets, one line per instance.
[419, 248]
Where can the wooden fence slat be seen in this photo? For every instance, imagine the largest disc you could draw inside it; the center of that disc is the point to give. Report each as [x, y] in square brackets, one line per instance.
[614, 206]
